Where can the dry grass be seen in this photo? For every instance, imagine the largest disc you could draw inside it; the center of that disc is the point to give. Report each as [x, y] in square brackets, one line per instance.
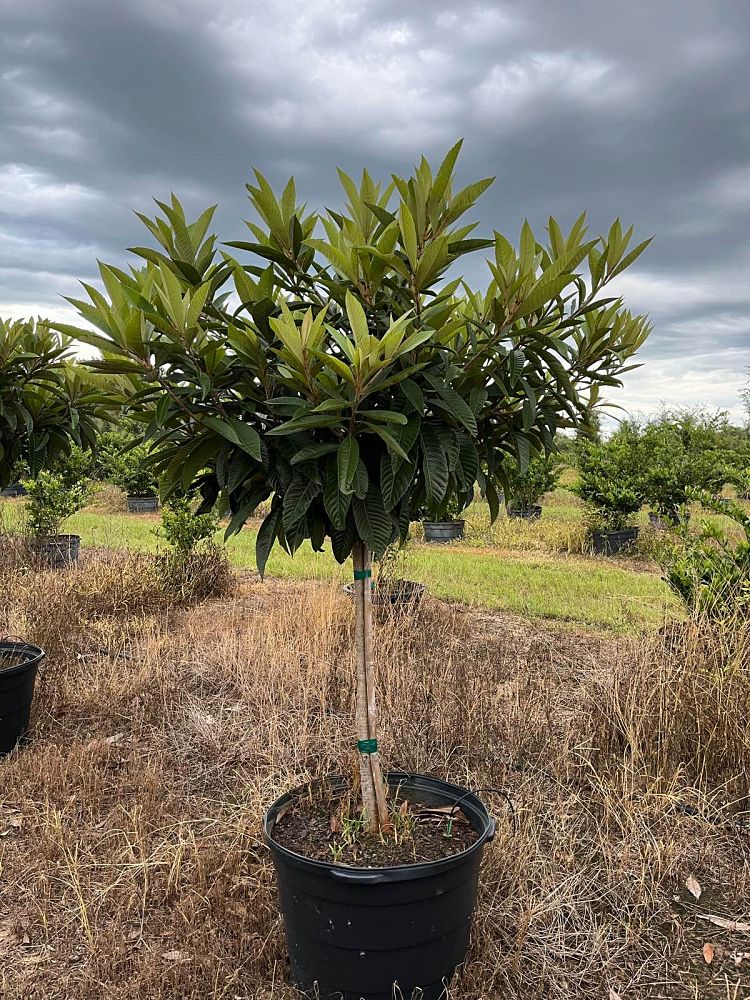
[130, 825]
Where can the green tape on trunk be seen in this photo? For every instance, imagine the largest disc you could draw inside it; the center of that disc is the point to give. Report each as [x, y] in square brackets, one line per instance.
[367, 746]
[362, 574]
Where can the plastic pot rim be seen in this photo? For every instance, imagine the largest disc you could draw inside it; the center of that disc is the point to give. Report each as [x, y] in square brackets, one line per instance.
[392, 873]
[34, 656]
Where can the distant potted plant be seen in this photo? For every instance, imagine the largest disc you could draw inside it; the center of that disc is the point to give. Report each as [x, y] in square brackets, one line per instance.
[444, 524]
[131, 471]
[390, 590]
[526, 488]
[16, 488]
[611, 486]
[347, 379]
[680, 451]
[51, 500]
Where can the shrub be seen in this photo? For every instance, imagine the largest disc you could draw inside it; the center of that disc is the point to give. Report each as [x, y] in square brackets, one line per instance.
[51, 499]
[131, 471]
[610, 481]
[182, 529]
[109, 445]
[708, 570]
[526, 488]
[682, 450]
[194, 567]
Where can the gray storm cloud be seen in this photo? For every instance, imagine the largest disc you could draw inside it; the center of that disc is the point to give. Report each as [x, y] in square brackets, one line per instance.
[640, 110]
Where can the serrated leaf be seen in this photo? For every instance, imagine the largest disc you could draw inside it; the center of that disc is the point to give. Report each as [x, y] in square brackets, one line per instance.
[435, 466]
[373, 522]
[347, 459]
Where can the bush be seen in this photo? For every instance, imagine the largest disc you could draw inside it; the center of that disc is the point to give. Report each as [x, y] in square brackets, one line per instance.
[182, 529]
[52, 499]
[131, 472]
[707, 570]
[194, 567]
[682, 450]
[611, 481]
[73, 468]
[526, 489]
[109, 444]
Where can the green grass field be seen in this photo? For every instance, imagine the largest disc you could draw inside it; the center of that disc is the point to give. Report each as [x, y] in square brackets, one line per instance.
[532, 569]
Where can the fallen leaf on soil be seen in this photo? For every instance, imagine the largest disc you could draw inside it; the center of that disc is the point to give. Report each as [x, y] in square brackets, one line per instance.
[334, 824]
[708, 953]
[693, 886]
[176, 956]
[614, 995]
[728, 925]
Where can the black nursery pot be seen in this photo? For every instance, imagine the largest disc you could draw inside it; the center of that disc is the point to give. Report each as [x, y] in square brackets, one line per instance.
[443, 531]
[398, 594]
[357, 933]
[14, 490]
[527, 513]
[16, 690]
[57, 551]
[610, 543]
[142, 503]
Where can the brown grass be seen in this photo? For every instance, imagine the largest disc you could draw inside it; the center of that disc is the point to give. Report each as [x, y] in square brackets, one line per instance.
[132, 863]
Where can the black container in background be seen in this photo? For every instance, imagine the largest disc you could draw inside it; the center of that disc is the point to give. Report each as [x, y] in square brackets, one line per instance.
[16, 691]
[57, 551]
[358, 933]
[142, 503]
[14, 490]
[526, 513]
[443, 531]
[610, 543]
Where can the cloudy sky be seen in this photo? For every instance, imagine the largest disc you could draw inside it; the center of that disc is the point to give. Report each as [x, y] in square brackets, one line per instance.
[636, 108]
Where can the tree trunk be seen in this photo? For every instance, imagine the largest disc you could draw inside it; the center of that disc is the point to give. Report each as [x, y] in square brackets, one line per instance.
[373, 789]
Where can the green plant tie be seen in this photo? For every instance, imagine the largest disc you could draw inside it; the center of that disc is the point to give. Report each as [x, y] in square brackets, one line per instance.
[362, 574]
[367, 746]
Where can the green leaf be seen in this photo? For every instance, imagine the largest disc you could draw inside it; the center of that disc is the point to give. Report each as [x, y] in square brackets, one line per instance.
[266, 537]
[335, 502]
[347, 459]
[394, 483]
[311, 452]
[297, 500]
[374, 524]
[435, 466]
[238, 433]
[361, 480]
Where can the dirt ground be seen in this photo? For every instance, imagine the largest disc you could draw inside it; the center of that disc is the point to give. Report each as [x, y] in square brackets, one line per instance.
[131, 860]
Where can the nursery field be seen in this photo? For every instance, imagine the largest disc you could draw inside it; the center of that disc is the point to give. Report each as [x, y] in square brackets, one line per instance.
[537, 569]
[130, 824]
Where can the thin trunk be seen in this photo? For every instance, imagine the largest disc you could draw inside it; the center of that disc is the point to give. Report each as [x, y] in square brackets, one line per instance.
[373, 791]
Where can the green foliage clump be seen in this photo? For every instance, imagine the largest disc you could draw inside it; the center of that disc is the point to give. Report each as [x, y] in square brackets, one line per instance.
[184, 530]
[132, 471]
[527, 487]
[48, 403]
[194, 567]
[682, 450]
[611, 480]
[707, 569]
[52, 498]
[339, 373]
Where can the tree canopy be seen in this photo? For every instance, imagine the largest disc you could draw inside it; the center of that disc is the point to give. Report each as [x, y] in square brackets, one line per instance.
[342, 369]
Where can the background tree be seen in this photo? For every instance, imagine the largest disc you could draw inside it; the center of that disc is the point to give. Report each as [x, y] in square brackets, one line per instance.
[340, 374]
[48, 403]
